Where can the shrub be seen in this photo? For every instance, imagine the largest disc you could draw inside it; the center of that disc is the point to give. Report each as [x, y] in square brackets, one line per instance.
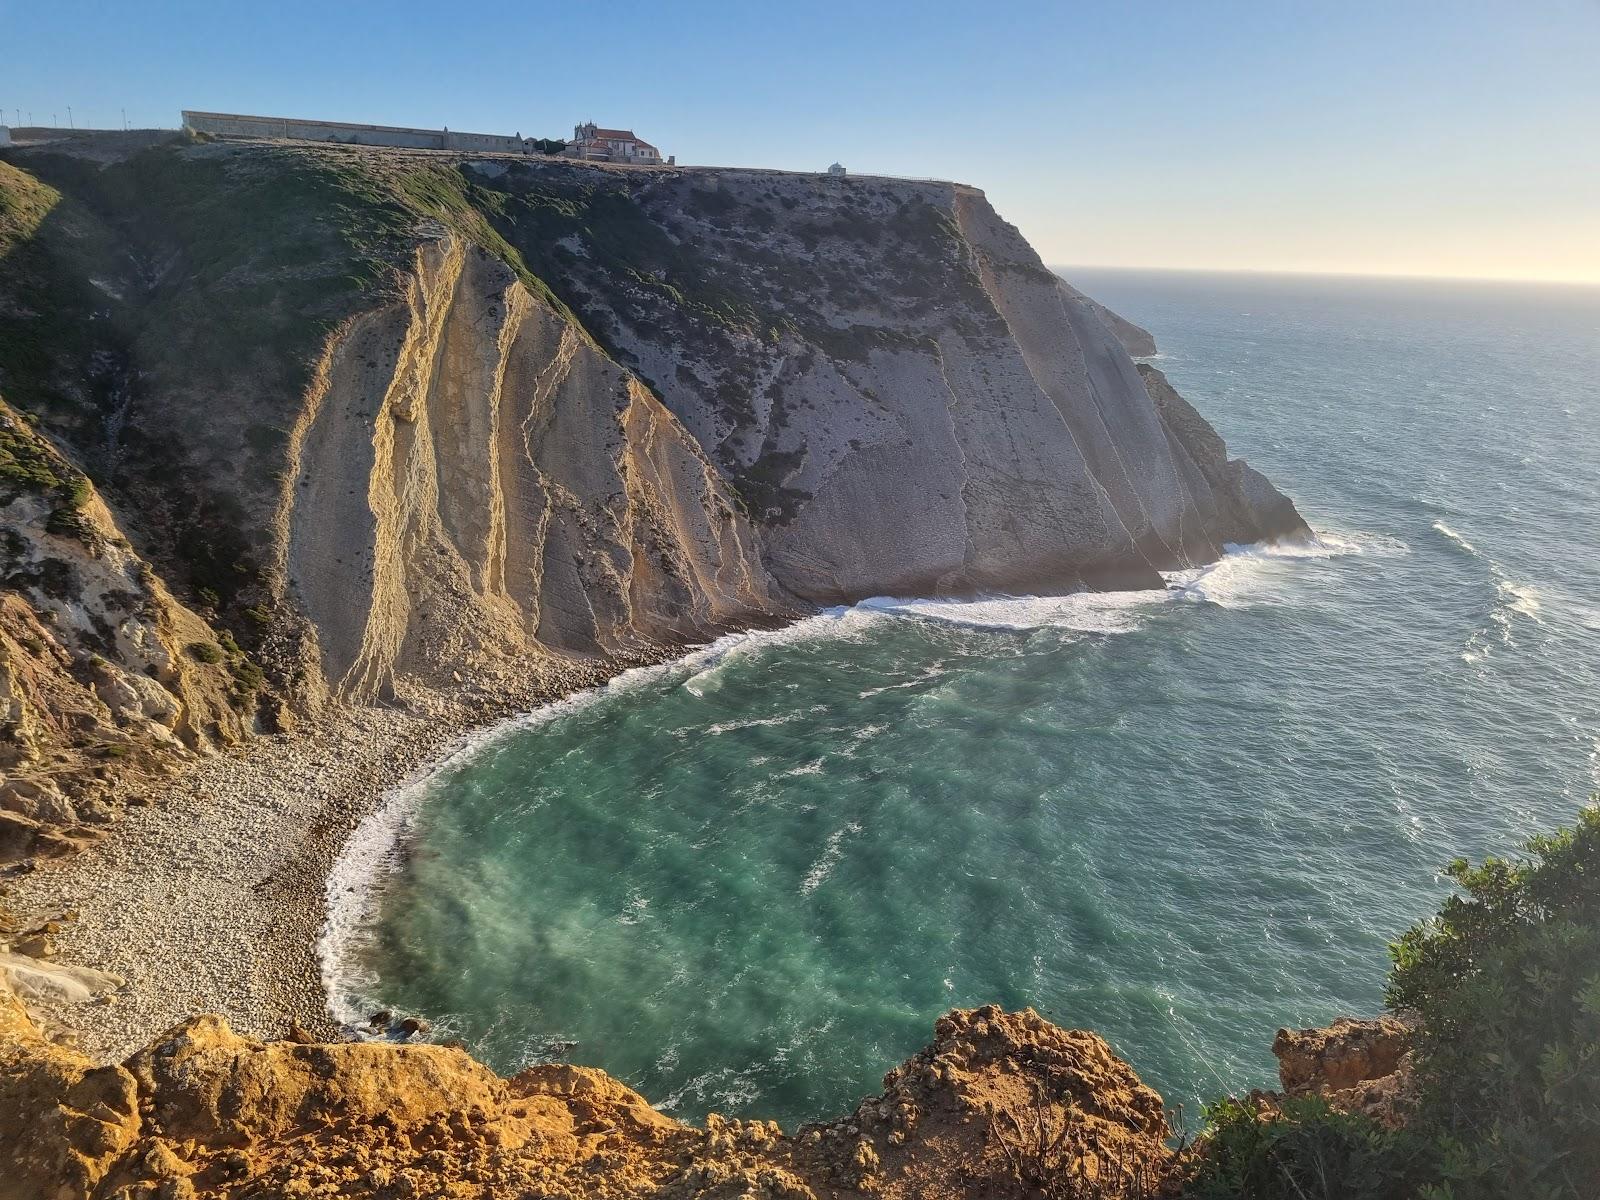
[248, 678]
[1305, 1152]
[1506, 980]
[206, 652]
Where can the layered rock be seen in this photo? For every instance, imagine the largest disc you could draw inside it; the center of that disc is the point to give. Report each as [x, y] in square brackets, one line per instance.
[478, 486]
[1000, 1105]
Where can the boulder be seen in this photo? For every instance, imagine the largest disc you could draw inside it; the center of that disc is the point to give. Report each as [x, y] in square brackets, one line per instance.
[134, 697]
[40, 799]
[34, 980]
[1356, 1065]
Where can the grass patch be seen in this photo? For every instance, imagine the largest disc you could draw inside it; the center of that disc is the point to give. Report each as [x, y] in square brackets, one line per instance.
[24, 204]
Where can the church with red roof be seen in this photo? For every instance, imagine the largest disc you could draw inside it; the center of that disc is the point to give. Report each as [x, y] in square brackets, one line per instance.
[595, 144]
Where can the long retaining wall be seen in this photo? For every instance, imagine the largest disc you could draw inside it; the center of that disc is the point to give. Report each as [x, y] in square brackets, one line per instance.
[292, 128]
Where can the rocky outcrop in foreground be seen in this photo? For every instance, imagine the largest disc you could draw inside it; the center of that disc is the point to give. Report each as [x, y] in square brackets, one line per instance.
[999, 1104]
[1357, 1066]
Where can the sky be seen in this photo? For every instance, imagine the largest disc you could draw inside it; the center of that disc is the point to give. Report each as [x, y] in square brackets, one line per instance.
[1407, 137]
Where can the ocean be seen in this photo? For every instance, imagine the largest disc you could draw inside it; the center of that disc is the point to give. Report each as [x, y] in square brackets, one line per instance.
[751, 880]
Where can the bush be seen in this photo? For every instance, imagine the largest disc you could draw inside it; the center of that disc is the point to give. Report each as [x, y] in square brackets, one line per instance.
[206, 652]
[1506, 980]
[1305, 1152]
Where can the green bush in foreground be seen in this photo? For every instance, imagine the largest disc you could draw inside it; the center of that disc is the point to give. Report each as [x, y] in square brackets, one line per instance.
[1308, 1152]
[1506, 980]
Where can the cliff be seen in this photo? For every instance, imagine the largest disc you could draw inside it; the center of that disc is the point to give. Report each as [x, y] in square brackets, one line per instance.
[101, 669]
[376, 425]
[1000, 1105]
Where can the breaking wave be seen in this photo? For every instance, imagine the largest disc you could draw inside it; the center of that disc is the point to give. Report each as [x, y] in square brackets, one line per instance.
[1513, 601]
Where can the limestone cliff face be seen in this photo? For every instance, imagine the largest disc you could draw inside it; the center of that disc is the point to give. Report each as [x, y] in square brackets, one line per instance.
[479, 487]
[1135, 339]
[905, 397]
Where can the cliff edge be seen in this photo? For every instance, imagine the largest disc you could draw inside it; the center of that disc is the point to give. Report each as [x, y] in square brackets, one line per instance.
[1000, 1104]
[366, 425]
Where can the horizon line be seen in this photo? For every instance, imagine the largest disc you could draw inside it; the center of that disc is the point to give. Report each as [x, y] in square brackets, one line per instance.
[1398, 276]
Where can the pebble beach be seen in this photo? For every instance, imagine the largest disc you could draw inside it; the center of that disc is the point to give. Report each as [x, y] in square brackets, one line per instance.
[208, 895]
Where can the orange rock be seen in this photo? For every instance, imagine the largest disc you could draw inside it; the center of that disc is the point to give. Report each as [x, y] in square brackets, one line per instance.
[1000, 1102]
[1357, 1066]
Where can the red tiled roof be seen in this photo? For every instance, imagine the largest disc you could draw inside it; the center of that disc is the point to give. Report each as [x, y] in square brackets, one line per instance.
[599, 138]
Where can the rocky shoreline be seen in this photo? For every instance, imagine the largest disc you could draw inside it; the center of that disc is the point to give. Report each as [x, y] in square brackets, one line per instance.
[209, 895]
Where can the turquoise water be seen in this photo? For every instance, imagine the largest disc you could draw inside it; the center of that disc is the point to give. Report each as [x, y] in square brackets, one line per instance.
[750, 881]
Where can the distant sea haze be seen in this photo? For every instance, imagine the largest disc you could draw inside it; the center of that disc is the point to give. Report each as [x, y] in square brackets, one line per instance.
[749, 881]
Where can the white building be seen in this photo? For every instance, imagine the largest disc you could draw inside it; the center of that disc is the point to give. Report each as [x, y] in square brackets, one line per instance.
[594, 144]
[5, 135]
[836, 169]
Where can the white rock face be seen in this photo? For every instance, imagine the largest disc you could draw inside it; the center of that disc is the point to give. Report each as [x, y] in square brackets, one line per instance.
[903, 395]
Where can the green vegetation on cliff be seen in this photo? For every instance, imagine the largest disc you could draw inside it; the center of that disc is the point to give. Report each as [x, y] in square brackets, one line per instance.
[1505, 982]
[28, 465]
[24, 204]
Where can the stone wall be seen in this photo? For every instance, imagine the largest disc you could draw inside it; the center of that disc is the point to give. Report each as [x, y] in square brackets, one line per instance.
[290, 128]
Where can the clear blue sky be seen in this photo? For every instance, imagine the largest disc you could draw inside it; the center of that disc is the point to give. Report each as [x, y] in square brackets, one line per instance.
[1453, 137]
